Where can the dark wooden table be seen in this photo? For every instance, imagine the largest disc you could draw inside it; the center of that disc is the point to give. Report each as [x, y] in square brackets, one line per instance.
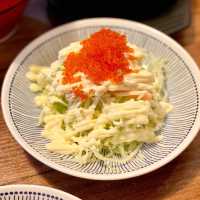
[179, 180]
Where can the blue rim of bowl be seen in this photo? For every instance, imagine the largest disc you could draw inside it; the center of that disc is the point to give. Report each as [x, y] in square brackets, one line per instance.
[34, 190]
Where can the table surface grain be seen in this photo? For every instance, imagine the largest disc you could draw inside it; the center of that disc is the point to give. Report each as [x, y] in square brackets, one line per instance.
[178, 180]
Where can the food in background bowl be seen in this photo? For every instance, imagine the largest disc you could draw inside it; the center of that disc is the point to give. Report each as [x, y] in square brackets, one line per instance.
[10, 12]
[102, 99]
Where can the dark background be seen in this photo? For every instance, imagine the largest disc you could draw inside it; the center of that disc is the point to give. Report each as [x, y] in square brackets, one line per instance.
[168, 16]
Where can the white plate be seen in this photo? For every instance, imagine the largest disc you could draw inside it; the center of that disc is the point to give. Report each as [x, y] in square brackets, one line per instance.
[183, 86]
[29, 192]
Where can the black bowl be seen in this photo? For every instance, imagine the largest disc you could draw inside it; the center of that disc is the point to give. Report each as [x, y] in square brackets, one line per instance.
[61, 11]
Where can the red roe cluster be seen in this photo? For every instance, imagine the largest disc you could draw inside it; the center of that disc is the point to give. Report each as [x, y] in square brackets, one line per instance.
[103, 56]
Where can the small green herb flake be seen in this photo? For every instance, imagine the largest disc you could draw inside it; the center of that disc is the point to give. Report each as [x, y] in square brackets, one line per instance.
[59, 107]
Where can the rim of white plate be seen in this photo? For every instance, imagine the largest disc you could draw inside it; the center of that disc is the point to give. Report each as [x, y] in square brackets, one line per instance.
[103, 22]
[37, 188]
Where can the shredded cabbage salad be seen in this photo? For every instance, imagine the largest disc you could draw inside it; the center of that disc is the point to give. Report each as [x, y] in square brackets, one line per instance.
[113, 122]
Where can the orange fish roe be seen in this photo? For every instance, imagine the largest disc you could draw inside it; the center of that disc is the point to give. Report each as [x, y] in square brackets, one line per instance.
[103, 56]
[78, 92]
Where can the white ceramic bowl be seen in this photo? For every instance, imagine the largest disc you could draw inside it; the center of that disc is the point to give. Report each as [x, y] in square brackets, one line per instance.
[183, 86]
[30, 192]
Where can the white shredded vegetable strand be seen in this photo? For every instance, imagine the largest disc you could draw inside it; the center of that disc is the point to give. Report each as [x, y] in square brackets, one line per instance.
[113, 123]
